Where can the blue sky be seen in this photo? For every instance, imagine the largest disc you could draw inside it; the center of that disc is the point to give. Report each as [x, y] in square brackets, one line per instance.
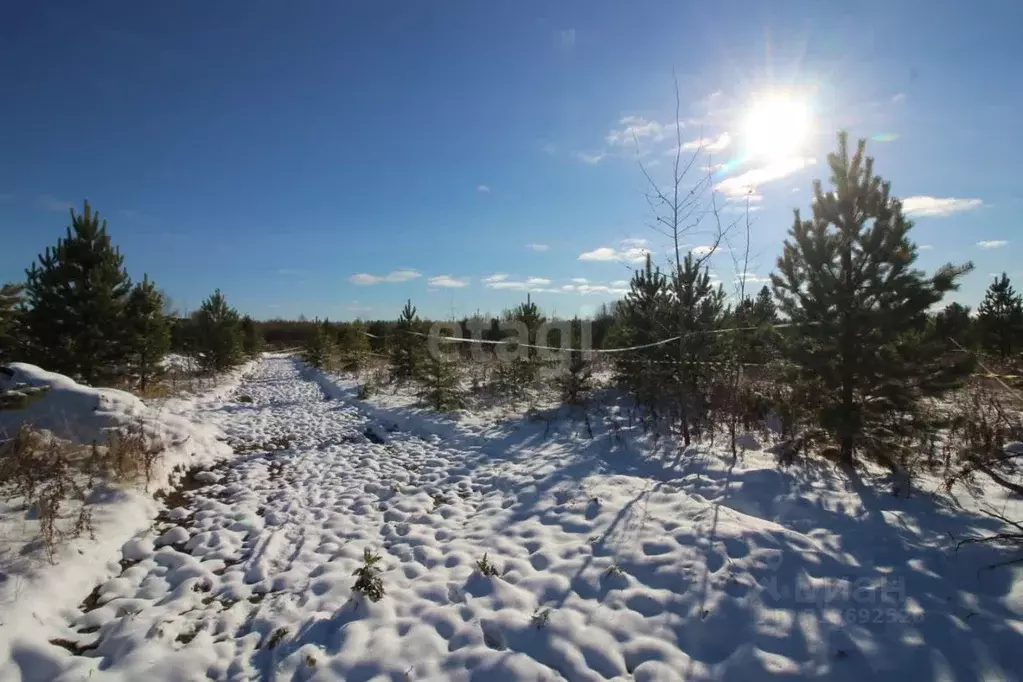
[334, 158]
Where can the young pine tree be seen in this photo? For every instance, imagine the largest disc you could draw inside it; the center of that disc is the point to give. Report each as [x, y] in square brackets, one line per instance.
[252, 338]
[698, 307]
[76, 296]
[859, 308]
[148, 332]
[218, 336]
[321, 348]
[354, 347]
[954, 322]
[439, 382]
[641, 319]
[1000, 319]
[406, 346]
[575, 383]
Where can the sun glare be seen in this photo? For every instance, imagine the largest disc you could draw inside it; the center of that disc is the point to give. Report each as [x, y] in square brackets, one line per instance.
[776, 127]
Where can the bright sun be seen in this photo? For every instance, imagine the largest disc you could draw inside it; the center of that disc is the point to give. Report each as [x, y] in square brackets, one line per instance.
[776, 127]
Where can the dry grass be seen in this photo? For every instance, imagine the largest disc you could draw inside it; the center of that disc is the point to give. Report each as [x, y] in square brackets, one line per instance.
[55, 477]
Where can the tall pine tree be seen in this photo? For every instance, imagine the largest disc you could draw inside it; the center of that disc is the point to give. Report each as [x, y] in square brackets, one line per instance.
[76, 297]
[10, 319]
[218, 336]
[846, 281]
[1000, 319]
[148, 331]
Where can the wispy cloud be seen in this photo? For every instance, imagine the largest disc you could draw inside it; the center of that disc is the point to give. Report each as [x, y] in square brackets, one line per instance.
[447, 282]
[356, 307]
[752, 279]
[497, 277]
[567, 38]
[925, 247]
[591, 159]
[586, 289]
[538, 247]
[703, 250]
[530, 284]
[749, 181]
[934, 206]
[483, 189]
[710, 144]
[580, 280]
[638, 128]
[363, 279]
[630, 251]
[992, 244]
[898, 97]
[51, 203]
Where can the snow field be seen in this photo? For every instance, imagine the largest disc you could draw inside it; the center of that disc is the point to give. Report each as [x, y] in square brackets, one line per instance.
[611, 565]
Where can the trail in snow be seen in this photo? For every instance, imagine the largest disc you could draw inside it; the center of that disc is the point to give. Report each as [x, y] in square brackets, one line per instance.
[605, 573]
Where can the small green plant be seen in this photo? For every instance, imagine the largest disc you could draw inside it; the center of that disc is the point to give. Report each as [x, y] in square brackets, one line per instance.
[485, 567]
[369, 583]
[540, 618]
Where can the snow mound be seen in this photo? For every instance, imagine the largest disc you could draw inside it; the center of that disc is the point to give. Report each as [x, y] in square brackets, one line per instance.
[70, 410]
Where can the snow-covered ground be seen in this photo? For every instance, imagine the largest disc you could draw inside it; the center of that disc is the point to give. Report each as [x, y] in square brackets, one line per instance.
[617, 559]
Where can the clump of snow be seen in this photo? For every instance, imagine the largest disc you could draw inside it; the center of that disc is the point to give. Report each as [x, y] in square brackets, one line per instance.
[615, 559]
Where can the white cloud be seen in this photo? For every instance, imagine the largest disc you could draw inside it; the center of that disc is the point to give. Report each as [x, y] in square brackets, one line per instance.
[702, 250]
[620, 284]
[934, 206]
[447, 282]
[924, 247]
[591, 159]
[742, 184]
[498, 277]
[483, 189]
[567, 38]
[899, 97]
[992, 244]
[709, 144]
[538, 247]
[638, 128]
[580, 280]
[630, 251]
[602, 253]
[363, 279]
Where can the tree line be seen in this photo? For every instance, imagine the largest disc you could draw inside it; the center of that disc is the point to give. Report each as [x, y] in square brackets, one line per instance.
[848, 346]
[78, 313]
